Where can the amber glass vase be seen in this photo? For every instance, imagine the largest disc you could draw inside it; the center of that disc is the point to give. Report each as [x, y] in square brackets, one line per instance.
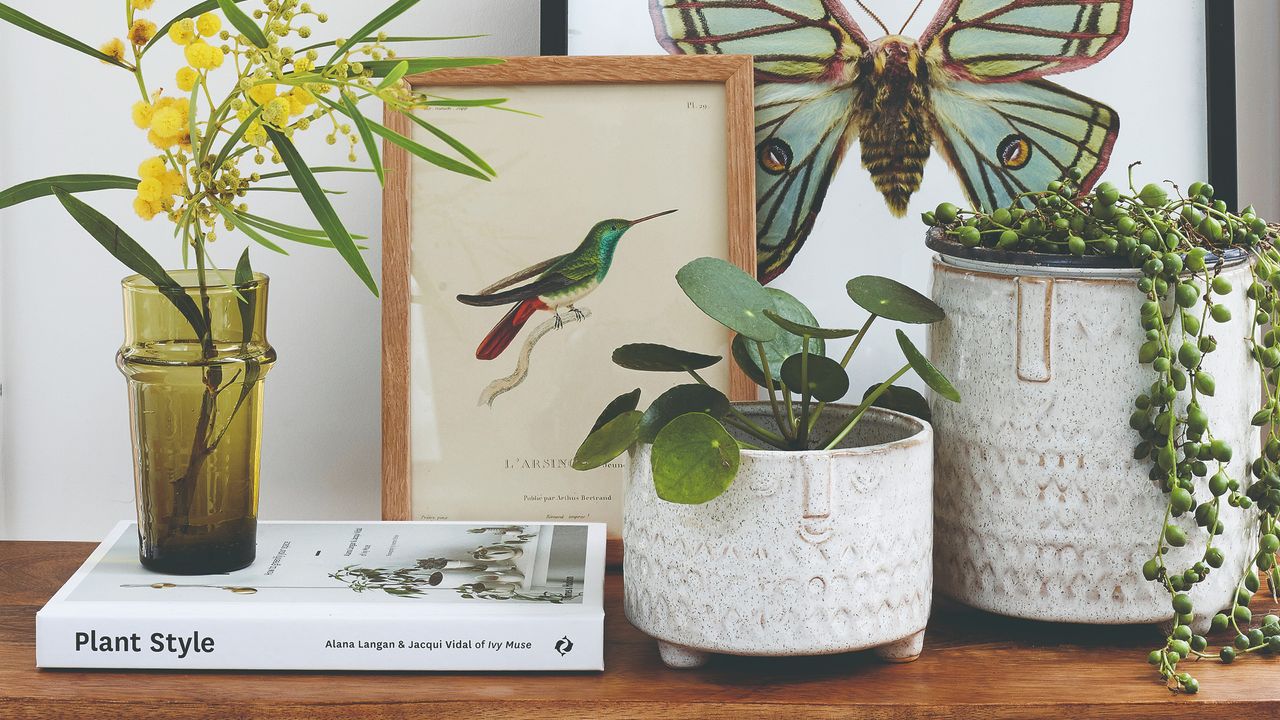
[195, 407]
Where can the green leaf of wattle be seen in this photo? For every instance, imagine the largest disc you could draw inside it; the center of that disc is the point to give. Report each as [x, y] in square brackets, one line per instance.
[366, 135]
[382, 18]
[243, 23]
[43, 187]
[31, 25]
[320, 206]
[134, 256]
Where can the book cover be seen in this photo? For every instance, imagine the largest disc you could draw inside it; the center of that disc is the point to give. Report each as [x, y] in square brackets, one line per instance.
[344, 596]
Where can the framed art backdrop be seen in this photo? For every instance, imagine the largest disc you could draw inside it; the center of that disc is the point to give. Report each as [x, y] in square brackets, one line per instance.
[496, 340]
[1146, 61]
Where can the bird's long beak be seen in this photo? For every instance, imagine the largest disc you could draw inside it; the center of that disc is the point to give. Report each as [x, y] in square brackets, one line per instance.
[655, 215]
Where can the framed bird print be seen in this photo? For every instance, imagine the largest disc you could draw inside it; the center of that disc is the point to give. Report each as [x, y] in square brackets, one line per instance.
[505, 296]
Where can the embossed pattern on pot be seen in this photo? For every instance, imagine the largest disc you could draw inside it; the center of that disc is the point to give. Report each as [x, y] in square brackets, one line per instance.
[1040, 509]
[806, 553]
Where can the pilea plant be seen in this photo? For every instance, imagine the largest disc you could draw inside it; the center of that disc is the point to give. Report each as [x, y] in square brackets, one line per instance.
[779, 345]
[1179, 241]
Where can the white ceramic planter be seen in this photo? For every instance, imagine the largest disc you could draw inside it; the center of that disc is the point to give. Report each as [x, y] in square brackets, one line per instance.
[805, 554]
[1041, 512]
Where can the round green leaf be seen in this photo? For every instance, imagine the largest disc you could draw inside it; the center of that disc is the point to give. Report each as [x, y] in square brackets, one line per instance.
[827, 381]
[747, 357]
[902, 399]
[625, 402]
[729, 296]
[812, 331]
[785, 344]
[607, 443]
[694, 459]
[926, 370]
[660, 358]
[893, 300]
[677, 401]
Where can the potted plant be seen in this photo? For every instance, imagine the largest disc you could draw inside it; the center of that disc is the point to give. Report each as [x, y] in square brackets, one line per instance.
[195, 351]
[793, 526]
[1118, 352]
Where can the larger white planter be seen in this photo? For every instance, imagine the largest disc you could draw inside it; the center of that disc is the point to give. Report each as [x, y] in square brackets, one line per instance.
[1041, 512]
[806, 553]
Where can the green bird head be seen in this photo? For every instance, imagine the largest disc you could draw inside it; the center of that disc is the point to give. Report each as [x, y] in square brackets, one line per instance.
[608, 232]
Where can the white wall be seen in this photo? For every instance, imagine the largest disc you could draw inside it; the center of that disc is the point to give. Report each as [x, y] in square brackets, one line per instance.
[65, 471]
[1258, 100]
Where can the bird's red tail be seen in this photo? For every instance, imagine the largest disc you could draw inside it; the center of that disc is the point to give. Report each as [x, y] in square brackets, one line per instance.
[505, 331]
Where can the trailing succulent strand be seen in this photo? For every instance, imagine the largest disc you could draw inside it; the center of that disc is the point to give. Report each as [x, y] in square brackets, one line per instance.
[1178, 241]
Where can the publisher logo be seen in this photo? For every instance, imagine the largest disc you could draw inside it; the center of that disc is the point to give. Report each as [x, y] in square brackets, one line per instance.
[564, 646]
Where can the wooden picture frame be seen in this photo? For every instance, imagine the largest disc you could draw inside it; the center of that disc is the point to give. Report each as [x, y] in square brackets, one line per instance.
[734, 73]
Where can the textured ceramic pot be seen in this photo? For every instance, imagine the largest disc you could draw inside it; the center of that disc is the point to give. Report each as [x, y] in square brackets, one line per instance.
[806, 553]
[1040, 510]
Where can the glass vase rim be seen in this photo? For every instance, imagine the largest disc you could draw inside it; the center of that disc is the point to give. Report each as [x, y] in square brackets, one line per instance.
[188, 280]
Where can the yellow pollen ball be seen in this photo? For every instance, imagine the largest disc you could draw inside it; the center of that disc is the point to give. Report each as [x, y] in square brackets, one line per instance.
[167, 122]
[141, 32]
[187, 79]
[262, 94]
[255, 135]
[183, 32]
[151, 168]
[203, 56]
[143, 4]
[113, 47]
[142, 114]
[172, 182]
[209, 24]
[150, 189]
[145, 208]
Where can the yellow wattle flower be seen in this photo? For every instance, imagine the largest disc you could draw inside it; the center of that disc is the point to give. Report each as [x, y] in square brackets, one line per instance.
[142, 111]
[209, 24]
[113, 47]
[141, 32]
[203, 56]
[146, 209]
[150, 189]
[262, 94]
[172, 182]
[168, 122]
[183, 32]
[276, 112]
[187, 77]
[152, 167]
[143, 4]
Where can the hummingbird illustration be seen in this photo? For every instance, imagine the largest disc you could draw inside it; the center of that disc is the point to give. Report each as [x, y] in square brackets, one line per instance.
[558, 283]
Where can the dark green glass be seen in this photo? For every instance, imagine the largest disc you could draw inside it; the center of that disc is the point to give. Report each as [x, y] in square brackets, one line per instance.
[195, 407]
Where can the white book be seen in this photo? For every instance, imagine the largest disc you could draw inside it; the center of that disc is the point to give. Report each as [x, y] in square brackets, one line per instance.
[344, 596]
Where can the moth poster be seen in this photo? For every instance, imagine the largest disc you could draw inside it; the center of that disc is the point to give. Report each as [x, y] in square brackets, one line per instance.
[870, 113]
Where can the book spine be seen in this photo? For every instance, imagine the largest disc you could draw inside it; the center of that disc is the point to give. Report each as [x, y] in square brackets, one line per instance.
[431, 642]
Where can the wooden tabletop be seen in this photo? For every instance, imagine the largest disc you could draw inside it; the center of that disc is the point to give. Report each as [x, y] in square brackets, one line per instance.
[974, 665]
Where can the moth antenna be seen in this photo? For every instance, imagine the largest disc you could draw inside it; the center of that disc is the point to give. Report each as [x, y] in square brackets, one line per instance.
[875, 17]
[910, 17]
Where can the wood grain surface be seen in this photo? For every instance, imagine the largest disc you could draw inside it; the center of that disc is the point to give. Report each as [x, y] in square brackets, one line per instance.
[974, 666]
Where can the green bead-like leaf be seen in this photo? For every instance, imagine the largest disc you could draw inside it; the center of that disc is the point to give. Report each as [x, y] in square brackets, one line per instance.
[812, 331]
[902, 399]
[694, 460]
[607, 443]
[827, 381]
[679, 400]
[729, 296]
[625, 402]
[925, 369]
[892, 300]
[651, 357]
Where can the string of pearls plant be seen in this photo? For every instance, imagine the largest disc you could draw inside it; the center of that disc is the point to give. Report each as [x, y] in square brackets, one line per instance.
[1178, 240]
